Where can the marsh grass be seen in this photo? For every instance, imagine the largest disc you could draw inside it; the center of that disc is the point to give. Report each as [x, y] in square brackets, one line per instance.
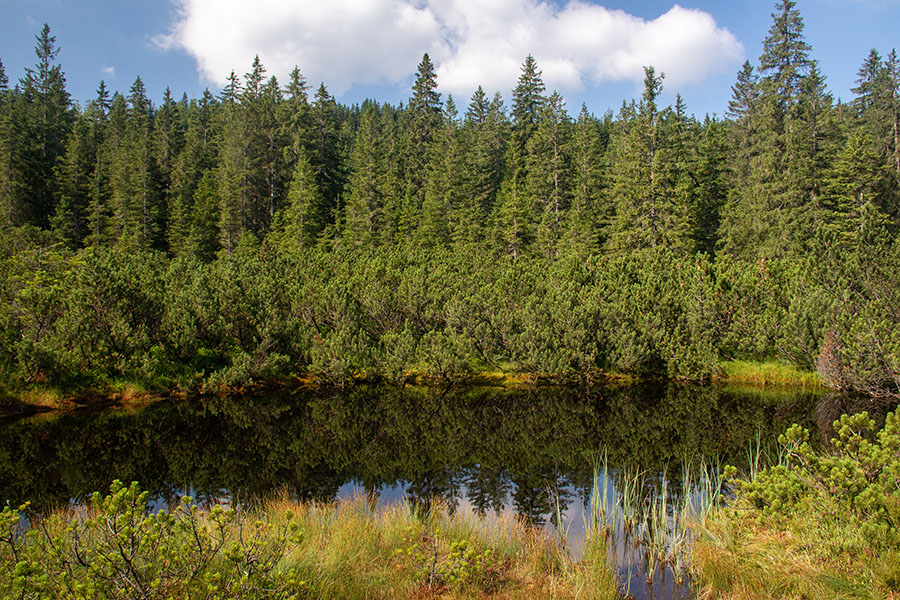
[646, 523]
[282, 548]
[768, 373]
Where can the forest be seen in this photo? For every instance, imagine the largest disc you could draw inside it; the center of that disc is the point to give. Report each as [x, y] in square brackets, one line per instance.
[267, 232]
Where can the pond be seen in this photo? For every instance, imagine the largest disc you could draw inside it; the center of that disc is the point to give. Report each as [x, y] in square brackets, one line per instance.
[542, 453]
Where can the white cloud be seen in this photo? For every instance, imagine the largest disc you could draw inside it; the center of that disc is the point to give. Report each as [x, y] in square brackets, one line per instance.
[111, 71]
[472, 42]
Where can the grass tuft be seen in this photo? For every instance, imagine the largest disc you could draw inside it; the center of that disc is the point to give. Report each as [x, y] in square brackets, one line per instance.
[769, 373]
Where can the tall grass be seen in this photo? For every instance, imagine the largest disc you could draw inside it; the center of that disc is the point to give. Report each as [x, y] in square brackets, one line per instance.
[283, 548]
[769, 373]
[647, 526]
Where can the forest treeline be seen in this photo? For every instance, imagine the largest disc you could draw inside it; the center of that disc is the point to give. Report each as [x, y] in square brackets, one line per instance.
[266, 231]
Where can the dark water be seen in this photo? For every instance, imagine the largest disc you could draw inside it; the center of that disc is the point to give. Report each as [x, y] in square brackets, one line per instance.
[488, 449]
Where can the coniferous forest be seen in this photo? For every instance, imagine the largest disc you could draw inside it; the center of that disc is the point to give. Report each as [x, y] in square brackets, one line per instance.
[267, 231]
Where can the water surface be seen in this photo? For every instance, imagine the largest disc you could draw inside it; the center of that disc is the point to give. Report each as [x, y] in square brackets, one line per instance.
[485, 449]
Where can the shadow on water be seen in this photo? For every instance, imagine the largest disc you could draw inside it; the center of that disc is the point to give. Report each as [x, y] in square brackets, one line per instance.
[543, 454]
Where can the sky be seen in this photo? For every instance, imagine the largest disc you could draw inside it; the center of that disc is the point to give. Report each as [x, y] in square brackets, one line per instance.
[592, 52]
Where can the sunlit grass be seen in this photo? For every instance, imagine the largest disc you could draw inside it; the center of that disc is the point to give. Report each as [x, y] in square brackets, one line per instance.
[768, 374]
[346, 549]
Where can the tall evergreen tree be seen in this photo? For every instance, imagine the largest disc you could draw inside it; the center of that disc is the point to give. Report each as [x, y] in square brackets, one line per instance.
[303, 219]
[528, 104]
[169, 127]
[774, 213]
[7, 177]
[197, 157]
[483, 145]
[442, 215]
[650, 208]
[362, 211]
[137, 215]
[548, 172]
[423, 118]
[325, 151]
[44, 123]
[877, 105]
[99, 210]
[587, 214]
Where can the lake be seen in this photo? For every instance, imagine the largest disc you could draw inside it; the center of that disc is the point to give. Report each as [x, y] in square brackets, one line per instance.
[539, 453]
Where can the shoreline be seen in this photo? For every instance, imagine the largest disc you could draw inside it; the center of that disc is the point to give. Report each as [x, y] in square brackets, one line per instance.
[41, 399]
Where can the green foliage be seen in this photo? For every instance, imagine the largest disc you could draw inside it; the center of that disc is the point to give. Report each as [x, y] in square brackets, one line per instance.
[266, 234]
[816, 524]
[118, 549]
[856, 485]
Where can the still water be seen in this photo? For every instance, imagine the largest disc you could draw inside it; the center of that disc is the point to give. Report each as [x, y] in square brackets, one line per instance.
[538, 453]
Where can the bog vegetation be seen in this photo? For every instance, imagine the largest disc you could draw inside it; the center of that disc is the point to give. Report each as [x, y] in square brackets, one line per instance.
[260, 233]
[115, 548]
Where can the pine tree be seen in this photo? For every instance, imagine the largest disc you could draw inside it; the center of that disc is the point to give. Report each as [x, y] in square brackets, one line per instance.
[362, 212]
[651, 208]
[304, 218]
[548, 172]
[45, 121]
[422, 119]
[586, 216]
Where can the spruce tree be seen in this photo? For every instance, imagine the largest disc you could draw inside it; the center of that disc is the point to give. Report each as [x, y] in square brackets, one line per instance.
[651, 208]
[167, 143]
[528, 104]
[7, 177]
[197, 157]
[136, 210]
[303, 219]
[44, 123]
[422, 119]
[442, 216]
[483, 145]
[548, 172]
[325, 150]
[362, 211]
[587, 211]
[99, 210]
[774, 212]
[73, 182]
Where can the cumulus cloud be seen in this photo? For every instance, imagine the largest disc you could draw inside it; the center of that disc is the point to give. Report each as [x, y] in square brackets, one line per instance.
[111, 71]
[472, 42]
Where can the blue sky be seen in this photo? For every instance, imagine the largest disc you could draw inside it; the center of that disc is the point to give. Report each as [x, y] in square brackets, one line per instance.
[591, 52]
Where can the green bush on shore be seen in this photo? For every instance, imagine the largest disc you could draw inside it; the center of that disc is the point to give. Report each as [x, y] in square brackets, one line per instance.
[815, 525]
